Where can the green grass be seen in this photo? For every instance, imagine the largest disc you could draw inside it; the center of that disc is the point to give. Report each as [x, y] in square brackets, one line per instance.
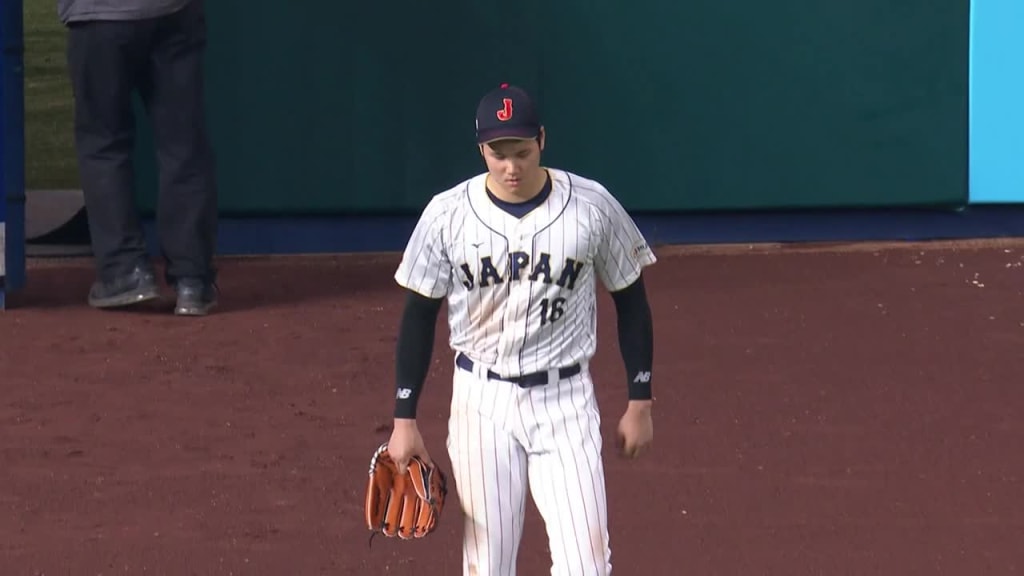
[49, 142]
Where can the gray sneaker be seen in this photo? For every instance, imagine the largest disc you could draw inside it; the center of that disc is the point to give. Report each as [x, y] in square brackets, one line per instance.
[137, 286]
[195, 297]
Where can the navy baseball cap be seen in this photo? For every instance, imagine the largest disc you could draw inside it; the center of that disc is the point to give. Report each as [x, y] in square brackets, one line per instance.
[506, 112]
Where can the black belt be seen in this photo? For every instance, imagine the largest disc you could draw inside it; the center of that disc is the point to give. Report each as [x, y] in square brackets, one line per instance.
[524, 381]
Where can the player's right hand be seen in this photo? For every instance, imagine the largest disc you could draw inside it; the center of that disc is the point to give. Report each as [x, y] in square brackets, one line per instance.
[405, 443]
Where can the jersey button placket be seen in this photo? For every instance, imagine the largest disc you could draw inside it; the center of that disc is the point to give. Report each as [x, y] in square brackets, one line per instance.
[514, 313]
[506, 337]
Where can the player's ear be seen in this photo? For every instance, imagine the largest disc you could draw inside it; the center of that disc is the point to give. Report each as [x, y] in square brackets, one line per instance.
[541, 138]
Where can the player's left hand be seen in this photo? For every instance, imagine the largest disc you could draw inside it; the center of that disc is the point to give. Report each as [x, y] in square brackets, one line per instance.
[636, 429]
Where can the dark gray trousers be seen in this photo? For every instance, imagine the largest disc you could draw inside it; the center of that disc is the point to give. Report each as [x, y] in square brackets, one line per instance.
[160, 59]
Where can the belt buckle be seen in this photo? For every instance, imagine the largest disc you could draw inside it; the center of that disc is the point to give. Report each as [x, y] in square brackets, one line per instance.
[555, 375]
[520, 381]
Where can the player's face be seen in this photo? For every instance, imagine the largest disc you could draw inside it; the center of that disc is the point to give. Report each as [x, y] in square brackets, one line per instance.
[514, 163]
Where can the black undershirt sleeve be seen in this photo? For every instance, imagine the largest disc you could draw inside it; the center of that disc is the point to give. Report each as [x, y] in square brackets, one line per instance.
[636, 337]
[413, 351]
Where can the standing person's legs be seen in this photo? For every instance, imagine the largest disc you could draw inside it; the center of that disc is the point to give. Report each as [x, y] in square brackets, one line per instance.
[187, 208]
[489, 469]
[566, 473]
[104, 61]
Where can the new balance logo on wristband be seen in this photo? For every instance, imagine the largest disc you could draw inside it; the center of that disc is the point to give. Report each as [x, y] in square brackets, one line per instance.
[642, 377]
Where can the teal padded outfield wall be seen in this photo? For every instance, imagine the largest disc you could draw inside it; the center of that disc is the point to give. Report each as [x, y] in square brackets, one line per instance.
[354, 107]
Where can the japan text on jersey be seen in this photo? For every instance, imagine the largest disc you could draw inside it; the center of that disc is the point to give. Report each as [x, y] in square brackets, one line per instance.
[521, 291]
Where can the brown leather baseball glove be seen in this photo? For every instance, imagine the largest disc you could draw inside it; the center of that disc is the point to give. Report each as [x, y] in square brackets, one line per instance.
[404, 505]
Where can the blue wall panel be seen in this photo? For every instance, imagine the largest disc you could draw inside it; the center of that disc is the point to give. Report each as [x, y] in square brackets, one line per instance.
[997, 102]
[12, 149]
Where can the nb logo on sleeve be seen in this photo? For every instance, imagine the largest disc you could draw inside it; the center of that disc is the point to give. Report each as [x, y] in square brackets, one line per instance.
[642, 377]
[403, 394]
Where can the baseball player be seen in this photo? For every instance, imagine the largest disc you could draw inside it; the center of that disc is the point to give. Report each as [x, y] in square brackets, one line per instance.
[517, 252]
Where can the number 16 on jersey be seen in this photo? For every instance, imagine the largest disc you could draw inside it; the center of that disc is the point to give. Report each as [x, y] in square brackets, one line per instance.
[551, 310]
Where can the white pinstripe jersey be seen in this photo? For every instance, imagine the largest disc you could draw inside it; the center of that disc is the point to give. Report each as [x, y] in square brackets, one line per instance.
[521, 292]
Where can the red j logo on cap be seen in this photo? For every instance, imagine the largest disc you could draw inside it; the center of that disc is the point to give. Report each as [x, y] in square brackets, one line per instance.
[505, 114]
